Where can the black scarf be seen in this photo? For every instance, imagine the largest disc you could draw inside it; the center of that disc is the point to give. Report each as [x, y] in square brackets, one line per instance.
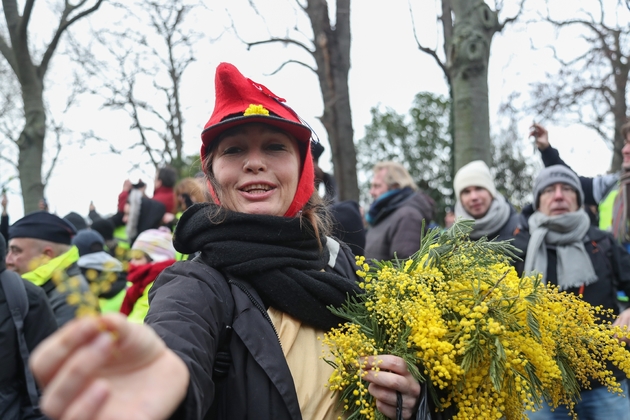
[387, 203]
[278, 256]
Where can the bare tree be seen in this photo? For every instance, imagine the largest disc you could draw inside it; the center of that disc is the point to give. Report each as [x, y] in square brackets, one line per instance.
[591, 85]
[135, 62]
[330, 49]
[10, 118]
[17, 51]
[468, 27]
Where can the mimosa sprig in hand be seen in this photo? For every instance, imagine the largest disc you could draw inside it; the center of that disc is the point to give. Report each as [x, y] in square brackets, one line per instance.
[86, 300]
[484, 342]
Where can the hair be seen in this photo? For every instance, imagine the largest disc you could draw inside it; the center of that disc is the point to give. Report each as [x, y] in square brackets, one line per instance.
[191, 186]
[315, 210]
[396, 176]
[625, 130]
[137, 253]
[168, 175]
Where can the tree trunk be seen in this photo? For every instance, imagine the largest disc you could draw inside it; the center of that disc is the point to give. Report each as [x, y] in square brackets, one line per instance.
[31, 145]
[620, 112]
[467, 64]
[621, 70]
[31, 77]
[332, 55]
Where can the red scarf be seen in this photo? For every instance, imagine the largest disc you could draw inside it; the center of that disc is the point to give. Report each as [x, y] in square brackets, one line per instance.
[141, 276]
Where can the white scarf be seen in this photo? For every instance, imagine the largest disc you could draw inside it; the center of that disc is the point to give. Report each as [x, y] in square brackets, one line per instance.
[566, 232]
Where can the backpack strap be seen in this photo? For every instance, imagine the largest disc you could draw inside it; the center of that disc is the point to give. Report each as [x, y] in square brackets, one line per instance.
[17, 300]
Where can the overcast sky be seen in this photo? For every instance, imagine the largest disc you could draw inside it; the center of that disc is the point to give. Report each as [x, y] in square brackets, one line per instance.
[387, 69]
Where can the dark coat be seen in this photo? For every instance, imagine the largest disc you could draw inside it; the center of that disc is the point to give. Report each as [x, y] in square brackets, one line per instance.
[39, 323]
[397, 228]
[348, 225]
[64, 312]
[258, 384]
[610, 261]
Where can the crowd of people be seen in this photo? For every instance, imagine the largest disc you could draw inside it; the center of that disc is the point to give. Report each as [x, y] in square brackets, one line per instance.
[218, 286]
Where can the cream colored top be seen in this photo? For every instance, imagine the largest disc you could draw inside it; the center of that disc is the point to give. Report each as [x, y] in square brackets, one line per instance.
[303, 352]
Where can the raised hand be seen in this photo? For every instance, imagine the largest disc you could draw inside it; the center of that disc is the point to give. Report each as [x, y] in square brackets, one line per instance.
[541, 135]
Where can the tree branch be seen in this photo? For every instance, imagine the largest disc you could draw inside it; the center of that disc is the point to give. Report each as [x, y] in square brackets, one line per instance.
[63, 25]
[7, 53]
[281, 40]
[9, 161]
[11, 12]
[426, 50]
[57, 129]
[26, 17]
[447, 25]
[513, 18]
[292, 61]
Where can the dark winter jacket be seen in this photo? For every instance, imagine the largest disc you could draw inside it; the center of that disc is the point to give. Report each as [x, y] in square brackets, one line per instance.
[348, 225]
[610, 261]
[64, 312]
[4, 226]
[258, 384]
[396, 229]
[39, 323]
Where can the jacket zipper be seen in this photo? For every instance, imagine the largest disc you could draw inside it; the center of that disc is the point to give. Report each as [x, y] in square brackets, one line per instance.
[258, 306]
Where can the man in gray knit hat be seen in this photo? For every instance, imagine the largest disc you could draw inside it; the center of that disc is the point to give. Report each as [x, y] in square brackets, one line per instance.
[559, 242]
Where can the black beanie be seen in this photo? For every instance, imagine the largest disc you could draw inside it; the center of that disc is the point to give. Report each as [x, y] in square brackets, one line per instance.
[105, 227]
[45, 226]
[76, 219]
[317, 149]
[88, 241]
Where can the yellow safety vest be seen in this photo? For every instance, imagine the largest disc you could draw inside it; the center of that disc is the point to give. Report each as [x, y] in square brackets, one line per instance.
[606, 210]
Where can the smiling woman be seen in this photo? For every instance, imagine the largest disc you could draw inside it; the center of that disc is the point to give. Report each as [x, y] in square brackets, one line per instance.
[232, 334]
[258, 169]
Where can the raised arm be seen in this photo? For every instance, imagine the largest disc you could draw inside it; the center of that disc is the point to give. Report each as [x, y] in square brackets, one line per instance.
[595, 189]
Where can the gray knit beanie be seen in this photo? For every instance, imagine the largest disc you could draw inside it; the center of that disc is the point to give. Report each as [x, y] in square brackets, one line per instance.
[554, 174]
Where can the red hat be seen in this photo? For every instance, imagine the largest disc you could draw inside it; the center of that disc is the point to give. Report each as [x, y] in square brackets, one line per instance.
[240, 100]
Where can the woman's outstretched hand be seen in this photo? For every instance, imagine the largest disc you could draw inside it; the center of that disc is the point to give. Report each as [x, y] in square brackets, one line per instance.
[107, 368]
[391, 377]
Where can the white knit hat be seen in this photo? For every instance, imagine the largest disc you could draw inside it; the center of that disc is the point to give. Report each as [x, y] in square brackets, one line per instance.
[474, 174]
[157, 243]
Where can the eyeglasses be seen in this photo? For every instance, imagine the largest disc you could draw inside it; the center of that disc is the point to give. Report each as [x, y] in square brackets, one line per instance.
[564, 189]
